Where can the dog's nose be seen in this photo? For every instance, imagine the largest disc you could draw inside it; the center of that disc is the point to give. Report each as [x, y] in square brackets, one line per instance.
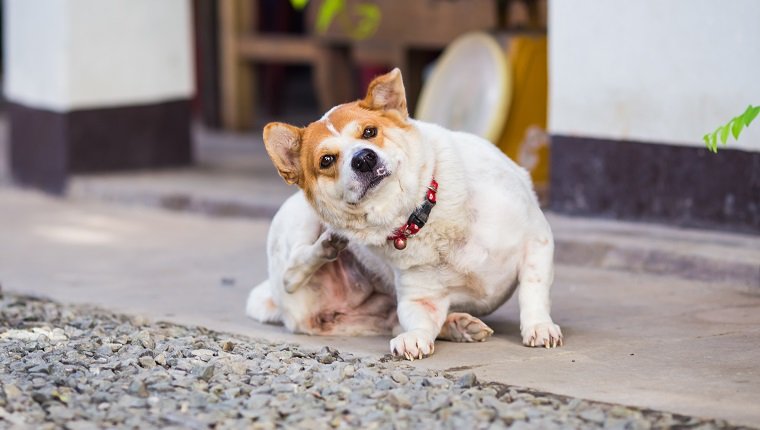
[364, 160]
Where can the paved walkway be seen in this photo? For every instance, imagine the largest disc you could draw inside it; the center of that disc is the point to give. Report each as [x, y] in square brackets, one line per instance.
[640, 338]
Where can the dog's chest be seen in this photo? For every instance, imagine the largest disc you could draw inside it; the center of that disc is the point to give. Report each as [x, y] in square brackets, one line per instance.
[473, 269]
[428, 248]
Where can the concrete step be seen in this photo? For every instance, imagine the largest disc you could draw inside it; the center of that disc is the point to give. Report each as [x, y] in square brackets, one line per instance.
[700, 255]
[255, 190]
[233, 177]
[205, 190]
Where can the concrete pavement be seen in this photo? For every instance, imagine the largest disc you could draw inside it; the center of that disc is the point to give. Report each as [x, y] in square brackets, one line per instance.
[659, 335]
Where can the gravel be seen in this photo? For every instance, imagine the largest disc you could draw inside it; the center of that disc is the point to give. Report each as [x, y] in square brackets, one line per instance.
[77, 367]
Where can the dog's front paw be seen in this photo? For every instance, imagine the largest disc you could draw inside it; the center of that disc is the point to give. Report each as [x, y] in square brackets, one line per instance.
[542, 334]
[332, 244]
[412, 344]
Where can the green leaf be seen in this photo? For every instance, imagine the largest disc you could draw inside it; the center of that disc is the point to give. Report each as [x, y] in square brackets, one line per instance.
[736, 127]
[723, 133]
[714, 140]
[370, 20]
[750, 114]
[299, 4]
[708, 141]
[327, 13]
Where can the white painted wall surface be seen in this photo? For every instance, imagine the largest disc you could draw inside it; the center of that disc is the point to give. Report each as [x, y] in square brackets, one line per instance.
[653, 70]
[74, 54]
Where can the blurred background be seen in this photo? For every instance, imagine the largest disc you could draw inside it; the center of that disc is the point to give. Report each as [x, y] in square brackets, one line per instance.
[133, 174]
[604, 102]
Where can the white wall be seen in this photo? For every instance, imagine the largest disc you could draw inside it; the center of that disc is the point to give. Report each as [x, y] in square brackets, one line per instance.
[663, 71]
[72, 54]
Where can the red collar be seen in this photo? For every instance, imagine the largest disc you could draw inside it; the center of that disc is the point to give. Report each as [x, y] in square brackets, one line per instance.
[417, 219]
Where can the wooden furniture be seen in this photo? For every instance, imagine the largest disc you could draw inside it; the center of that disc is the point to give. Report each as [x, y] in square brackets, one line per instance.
[409, 34]
[408, 30]
[241, 47]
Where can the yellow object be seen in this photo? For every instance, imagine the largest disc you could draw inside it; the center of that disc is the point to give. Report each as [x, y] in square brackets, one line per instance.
[469, 87]
[524, 138]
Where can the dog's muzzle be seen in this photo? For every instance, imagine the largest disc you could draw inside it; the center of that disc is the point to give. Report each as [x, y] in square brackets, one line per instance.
[368, 168]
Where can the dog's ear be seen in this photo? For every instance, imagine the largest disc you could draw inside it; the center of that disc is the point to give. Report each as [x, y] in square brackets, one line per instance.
[387, 93]
[283, 143]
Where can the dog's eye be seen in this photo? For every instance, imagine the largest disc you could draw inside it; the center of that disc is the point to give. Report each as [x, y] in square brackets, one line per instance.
[326, 161]
[369, 132]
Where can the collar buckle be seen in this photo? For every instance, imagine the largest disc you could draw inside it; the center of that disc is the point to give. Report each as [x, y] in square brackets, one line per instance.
[417, 219]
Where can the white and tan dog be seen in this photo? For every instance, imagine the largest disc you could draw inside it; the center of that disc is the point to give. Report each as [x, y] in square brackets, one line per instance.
[438, 225]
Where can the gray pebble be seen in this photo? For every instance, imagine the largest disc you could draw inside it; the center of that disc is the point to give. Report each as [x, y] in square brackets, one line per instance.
[593, 415]
[11, 391]
[60, 413]
[81, 425]
[104, 351]
[284, 388]
[385, 384]
[399, 399]
[147, 362]
[436, 381]
[203, 354]
[160, 359]
[467, 380]
[348, 371]
[41, 368]
[399, 377]
[138, 388]
[204, 373]
[146, 340]
[227, 346]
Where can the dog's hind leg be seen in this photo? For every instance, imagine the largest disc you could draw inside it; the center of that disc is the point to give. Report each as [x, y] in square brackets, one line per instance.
[536, 277]
[462, 327]
[261, 306]
[306, 259]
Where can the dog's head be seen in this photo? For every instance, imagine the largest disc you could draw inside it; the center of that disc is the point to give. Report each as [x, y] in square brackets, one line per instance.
[349, 159]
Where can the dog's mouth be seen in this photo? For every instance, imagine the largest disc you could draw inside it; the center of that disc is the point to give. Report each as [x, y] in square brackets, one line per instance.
[380, 174]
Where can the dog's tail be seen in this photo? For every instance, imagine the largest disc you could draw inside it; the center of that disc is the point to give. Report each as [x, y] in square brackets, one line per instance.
[261, 306]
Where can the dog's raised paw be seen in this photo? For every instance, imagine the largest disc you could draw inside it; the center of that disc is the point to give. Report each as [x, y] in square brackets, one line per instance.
[547, 335]
[463, 327]
[333, 244]
[412, 345]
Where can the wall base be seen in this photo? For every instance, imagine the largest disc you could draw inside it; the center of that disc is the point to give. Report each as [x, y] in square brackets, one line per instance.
[678, 185]
[47, 146]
